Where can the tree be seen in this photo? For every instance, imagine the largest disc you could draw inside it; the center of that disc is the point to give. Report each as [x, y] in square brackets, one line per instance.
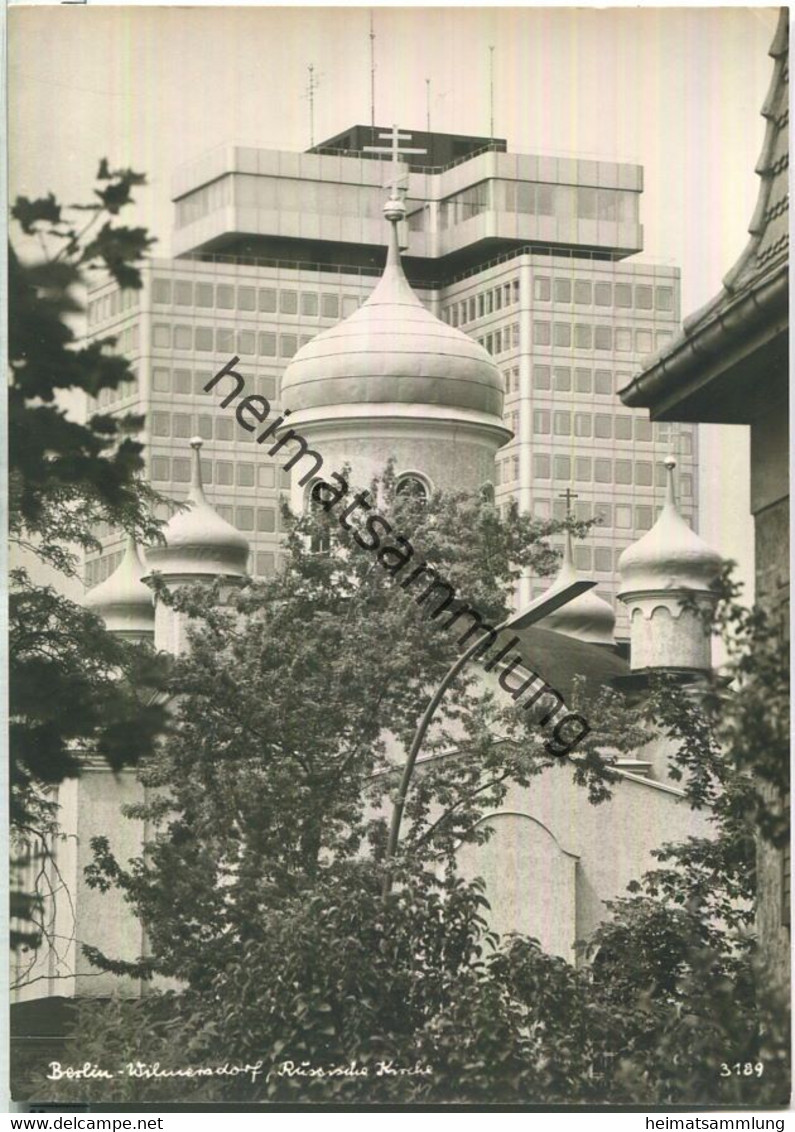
[65, 476]
[261, 888]
[279, 755]
[72, 685]
[678, 964]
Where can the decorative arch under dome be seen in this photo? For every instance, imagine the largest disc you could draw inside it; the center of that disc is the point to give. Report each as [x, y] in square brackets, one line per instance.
[414, 485]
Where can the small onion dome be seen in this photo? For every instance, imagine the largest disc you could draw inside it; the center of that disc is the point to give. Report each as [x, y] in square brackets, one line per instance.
[588, 617]
[123, 601]
[670, 556]
[391, 351]
[198, 540]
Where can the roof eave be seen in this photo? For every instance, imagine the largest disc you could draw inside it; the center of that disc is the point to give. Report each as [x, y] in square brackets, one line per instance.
[725, 342]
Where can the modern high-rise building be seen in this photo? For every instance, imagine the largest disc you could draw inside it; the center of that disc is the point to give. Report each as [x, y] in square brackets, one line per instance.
[530, 255]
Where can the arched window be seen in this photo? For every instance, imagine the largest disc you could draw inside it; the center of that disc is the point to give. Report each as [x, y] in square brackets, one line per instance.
[321, 537]
[412, 487]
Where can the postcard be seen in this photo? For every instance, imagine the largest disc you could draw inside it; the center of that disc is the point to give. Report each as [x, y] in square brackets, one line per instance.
[399, 571]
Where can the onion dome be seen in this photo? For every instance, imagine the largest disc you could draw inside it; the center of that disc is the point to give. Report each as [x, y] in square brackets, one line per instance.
[197, 540]
[392, 350]
[670, 556]
[588, 617]
[123, 601]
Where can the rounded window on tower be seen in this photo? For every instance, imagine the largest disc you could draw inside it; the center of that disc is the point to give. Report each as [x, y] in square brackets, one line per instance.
[320, 538]
[412, 487]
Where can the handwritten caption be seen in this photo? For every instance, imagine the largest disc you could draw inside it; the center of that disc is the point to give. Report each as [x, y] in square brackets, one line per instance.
[144, 1070]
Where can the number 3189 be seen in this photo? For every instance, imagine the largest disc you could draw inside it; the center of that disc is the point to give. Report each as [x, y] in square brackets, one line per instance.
[742, 1069]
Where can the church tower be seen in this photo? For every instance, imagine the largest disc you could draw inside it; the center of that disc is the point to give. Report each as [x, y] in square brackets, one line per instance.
[199, 546]
[666, 583]
[587, 617]
[392, 381]
[123, 601]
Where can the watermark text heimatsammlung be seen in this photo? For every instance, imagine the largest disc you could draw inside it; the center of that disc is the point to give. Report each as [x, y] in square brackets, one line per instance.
[515, 677]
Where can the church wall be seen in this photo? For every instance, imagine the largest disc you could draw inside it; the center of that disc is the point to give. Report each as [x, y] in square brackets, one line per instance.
[613, 840]
[770, 506]
[659, 752]
[50, 969]
[105, 921]
[531, 881]
[452, 458]
[663, 633]
[555, 858]
[89, 806]
[171, 628]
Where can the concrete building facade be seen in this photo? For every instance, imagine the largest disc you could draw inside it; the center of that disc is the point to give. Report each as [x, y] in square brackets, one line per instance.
[528, 255]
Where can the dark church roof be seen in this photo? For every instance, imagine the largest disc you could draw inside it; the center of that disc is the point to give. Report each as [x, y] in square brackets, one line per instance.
[704, 374]
[559, 659]
[768, 248]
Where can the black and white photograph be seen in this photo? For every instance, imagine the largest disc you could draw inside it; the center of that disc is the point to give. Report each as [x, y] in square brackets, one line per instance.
[398, 560]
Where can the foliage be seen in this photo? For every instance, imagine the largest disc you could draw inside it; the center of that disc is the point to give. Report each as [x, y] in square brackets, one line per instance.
[677, 964]
[64, 476]
[260, 887]
[287, 712]
[752, 725]
[72, 685]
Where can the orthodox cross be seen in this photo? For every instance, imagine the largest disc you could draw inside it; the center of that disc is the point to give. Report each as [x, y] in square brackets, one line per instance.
[394, 137]
[568, 495]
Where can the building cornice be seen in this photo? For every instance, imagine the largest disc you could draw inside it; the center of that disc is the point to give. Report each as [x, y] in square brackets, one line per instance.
[728, 340]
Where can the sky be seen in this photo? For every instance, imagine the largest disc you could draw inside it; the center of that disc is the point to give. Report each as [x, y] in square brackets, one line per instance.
[677, 90]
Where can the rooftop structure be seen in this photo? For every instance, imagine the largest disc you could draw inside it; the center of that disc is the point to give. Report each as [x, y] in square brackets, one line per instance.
[439, 151]
[319, 207]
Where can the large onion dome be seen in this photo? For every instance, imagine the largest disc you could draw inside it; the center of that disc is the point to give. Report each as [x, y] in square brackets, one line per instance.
[198, 541]
[670, 556]
[588, 617]
[392, 350]
[123, 602]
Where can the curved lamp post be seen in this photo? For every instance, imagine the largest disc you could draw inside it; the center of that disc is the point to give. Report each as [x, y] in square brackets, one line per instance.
[547, 603]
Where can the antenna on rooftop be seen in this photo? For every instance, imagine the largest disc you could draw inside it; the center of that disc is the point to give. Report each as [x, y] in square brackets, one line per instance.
[491, 92]
[312, 84]
[372, 72]
[428, 105]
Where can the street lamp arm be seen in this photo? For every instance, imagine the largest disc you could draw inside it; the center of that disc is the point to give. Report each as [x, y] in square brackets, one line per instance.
[414, 750]
[553, 599]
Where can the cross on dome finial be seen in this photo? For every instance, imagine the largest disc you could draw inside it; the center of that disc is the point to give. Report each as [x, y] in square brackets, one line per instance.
[568, 495]
[567, 565]
[395, 208]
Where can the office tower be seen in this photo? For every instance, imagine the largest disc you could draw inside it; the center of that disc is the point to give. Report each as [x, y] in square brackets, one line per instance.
[530, 255]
